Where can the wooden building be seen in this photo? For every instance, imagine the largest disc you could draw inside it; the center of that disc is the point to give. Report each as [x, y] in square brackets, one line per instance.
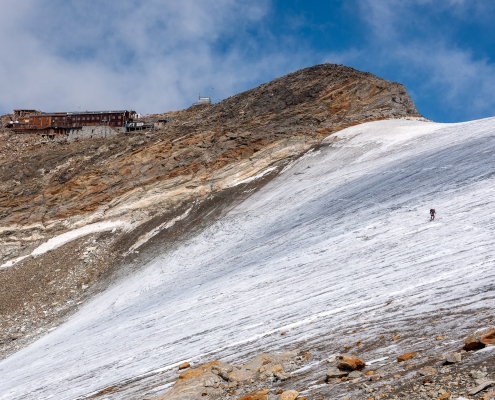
[60, 122]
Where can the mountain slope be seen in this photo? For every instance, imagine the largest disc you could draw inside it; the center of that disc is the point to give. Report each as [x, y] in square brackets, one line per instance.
[98, 203]
[337, 248]
[46, 189]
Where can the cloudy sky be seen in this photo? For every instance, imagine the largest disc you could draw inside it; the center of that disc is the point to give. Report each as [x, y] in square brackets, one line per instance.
[156, 55]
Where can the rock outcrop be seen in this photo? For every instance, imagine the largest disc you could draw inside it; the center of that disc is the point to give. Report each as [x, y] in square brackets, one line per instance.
[216, 378]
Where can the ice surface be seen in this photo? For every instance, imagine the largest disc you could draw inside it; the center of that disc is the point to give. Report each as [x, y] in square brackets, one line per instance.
[67, 237]
[329, 241]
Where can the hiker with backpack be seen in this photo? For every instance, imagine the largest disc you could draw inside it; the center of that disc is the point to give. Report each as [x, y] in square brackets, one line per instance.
[432, 214]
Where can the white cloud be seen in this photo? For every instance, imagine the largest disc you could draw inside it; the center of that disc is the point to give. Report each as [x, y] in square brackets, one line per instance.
[149, 55]
[458, 80]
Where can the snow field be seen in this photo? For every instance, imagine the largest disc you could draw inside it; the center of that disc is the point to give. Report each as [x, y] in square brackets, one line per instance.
[330, 240]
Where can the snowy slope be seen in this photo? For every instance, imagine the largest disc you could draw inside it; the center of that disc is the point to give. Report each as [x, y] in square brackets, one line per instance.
[335, 236]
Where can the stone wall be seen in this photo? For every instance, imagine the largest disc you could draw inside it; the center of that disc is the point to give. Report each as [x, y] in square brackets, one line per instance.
[91, 132]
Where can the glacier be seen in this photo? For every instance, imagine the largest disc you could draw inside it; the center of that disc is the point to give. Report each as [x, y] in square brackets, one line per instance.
[323, 246]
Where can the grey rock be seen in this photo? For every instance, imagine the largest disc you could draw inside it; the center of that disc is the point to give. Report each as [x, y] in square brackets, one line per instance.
[477, 374]
[355, 374]
[336, 373]
[282, 375]
[453, 358]
[481, 386]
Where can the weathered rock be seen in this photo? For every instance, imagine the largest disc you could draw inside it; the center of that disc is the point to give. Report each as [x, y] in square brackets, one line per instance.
[477, 374]
[336, 373]
[481, 386]
[488, 338]
[194, 383]
[354, 375]
[489, 396]
[445, 396]
[453, 358]
[184, 365]
[216, 377]
[427, 371]
[406, 356]
[256, 395]
[289, 395]
[282, 376]
[474, 340]
[350, 363]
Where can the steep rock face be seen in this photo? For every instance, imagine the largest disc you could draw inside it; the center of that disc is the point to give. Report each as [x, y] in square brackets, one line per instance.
[49, 188]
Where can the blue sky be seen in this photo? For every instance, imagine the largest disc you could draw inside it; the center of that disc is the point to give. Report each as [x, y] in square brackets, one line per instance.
[155, 55]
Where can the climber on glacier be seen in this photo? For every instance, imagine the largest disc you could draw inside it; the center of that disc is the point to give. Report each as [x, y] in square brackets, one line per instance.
[432, 214]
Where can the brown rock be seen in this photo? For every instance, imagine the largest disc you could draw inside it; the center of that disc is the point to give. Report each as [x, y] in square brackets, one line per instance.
[489, 338]
[488, 396]
[350, 363]
[440, 338]
[396, 337]
[283, 376]
[406, 356]
[444, 396]
[256, 395]
[184, 365]
[289, 395]
[473, 341]
[191, 374]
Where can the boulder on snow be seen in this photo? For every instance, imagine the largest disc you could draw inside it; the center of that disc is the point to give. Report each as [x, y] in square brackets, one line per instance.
[350, 363]
[427, 371]
[452, 358]
[184, 365]
[480, 339]
[406, 356]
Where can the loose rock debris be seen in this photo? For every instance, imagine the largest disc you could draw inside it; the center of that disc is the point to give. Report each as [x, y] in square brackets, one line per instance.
[271, 377]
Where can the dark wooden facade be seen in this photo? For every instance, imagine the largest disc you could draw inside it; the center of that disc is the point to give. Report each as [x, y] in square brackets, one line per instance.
[59, 122]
